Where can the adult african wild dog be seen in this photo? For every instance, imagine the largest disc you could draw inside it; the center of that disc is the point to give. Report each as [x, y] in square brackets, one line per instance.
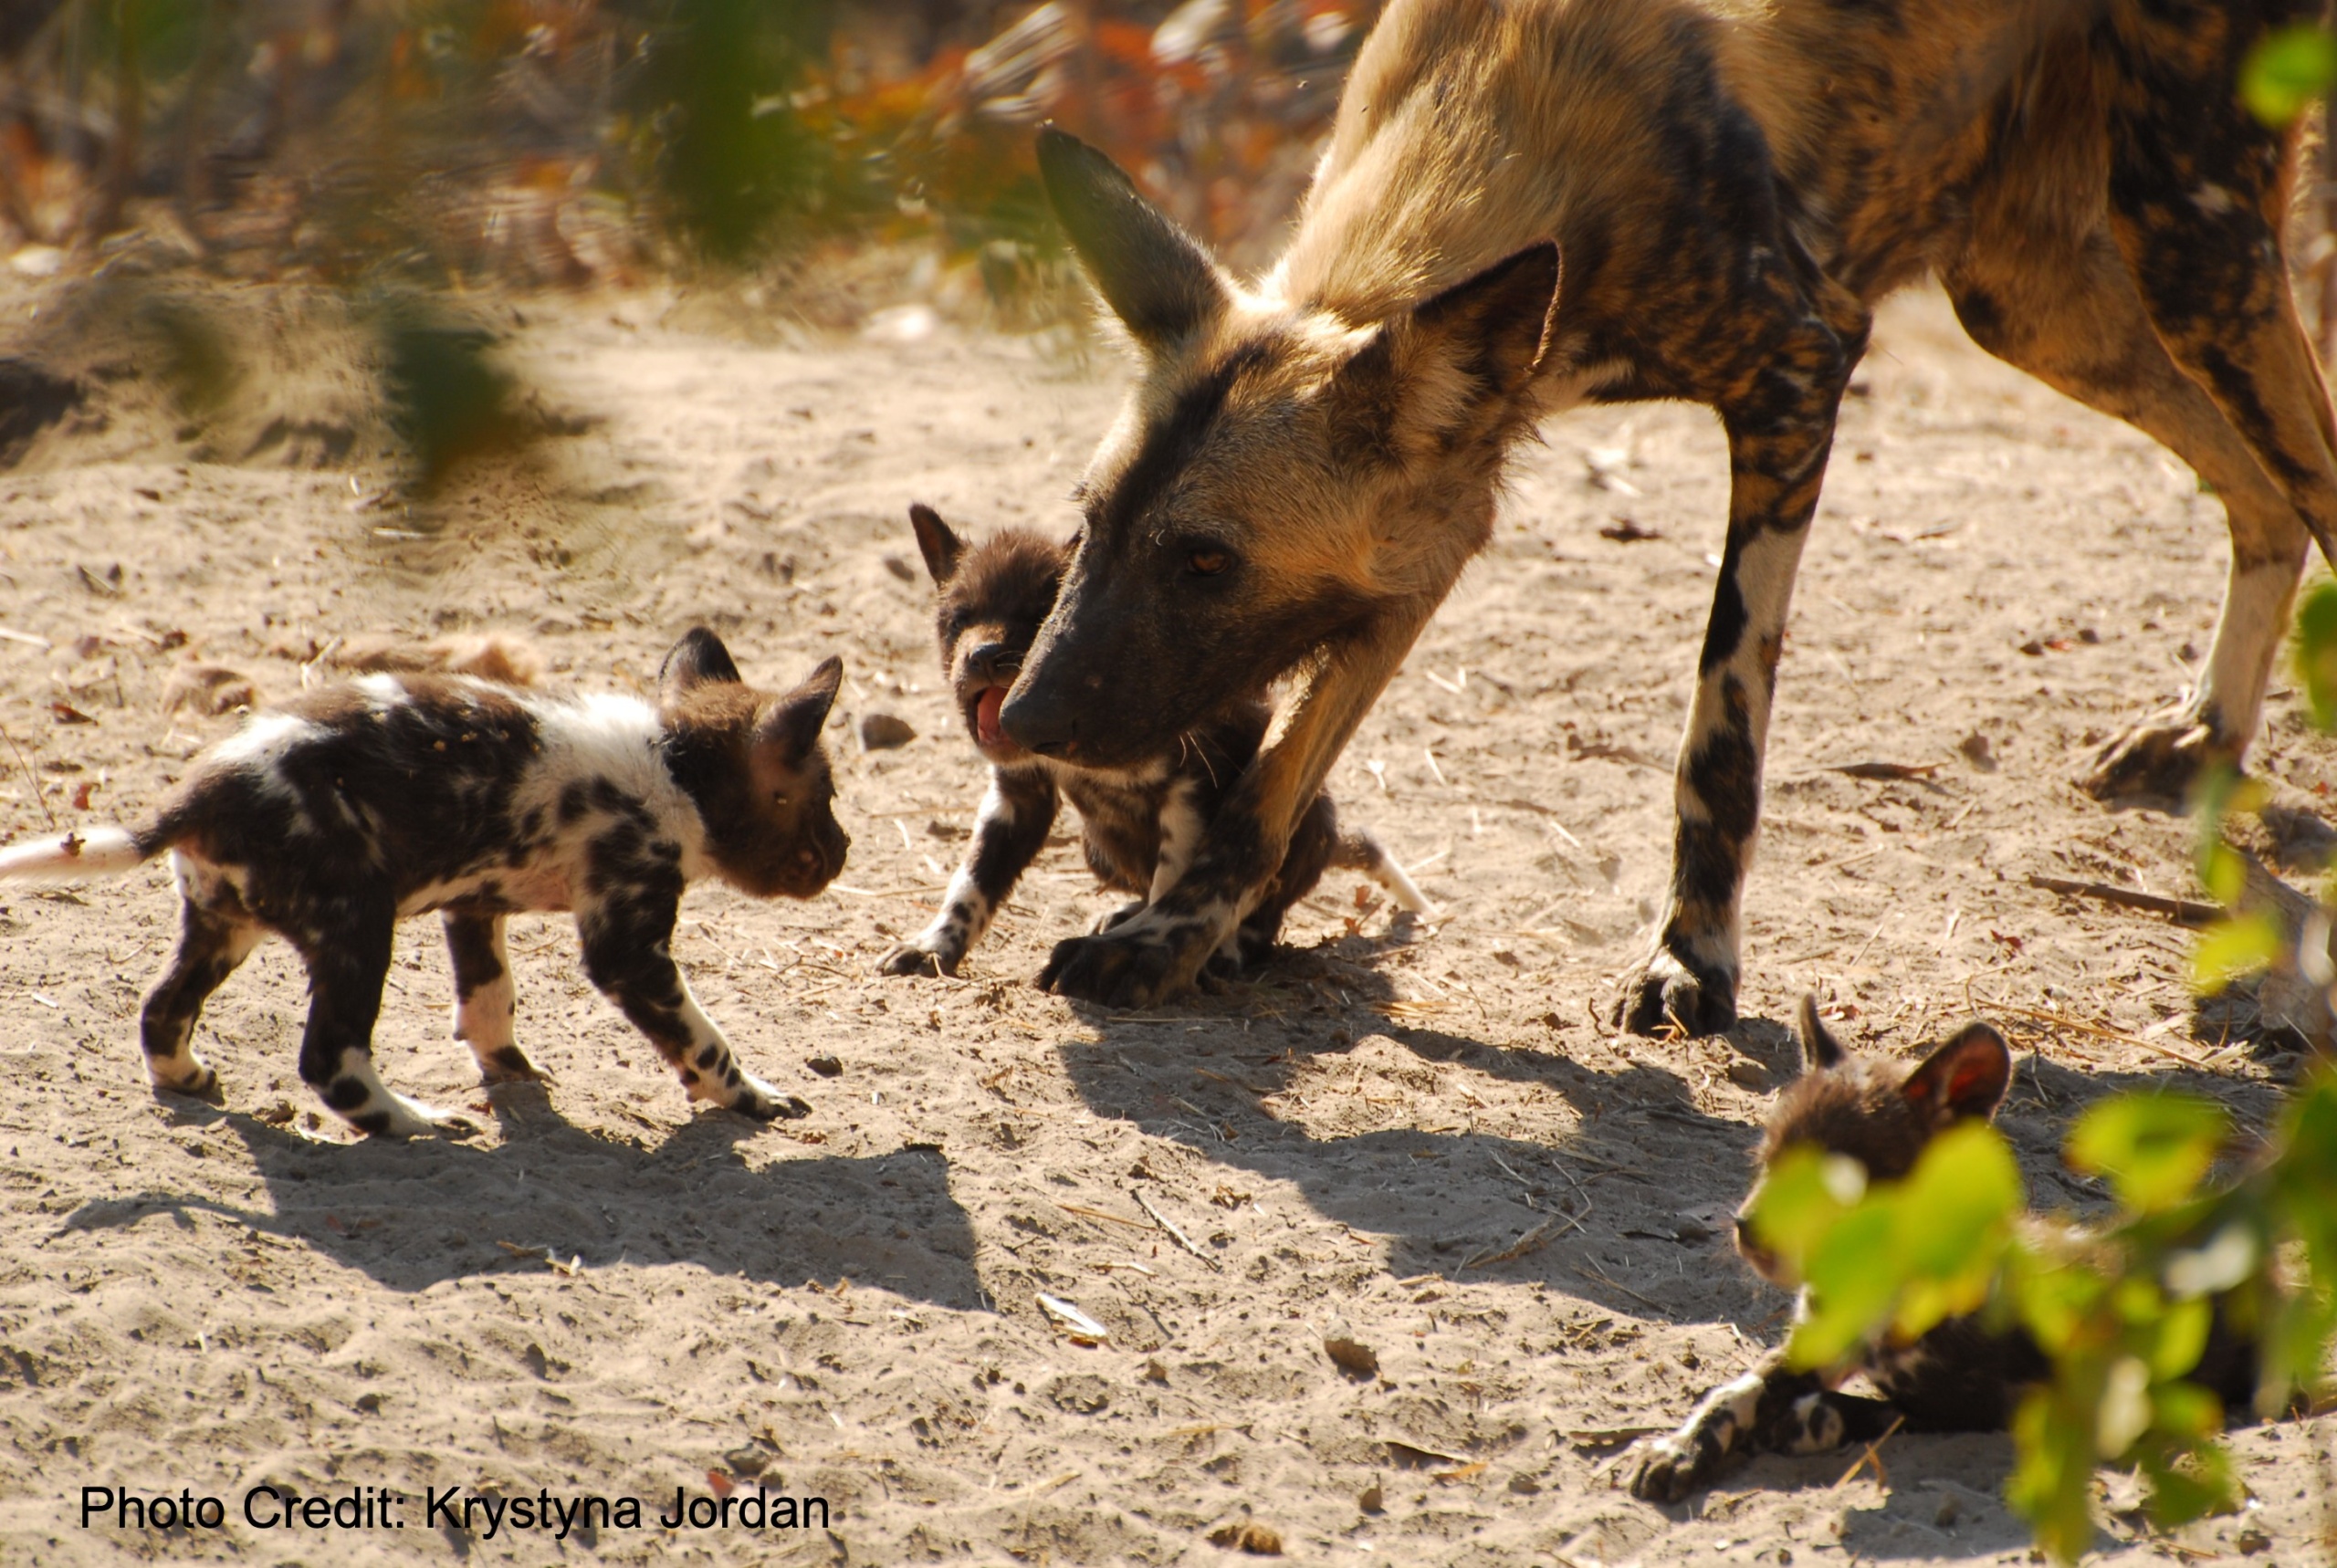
[1959, 1376]
[1307, 462]
[327, 819]
[1138, 824]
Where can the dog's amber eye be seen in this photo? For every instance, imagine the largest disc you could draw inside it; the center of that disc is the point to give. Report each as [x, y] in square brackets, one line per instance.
[1207, 562]
[778, 797]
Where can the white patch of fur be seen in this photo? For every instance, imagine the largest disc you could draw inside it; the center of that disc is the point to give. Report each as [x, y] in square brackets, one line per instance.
[604, 735]
[383, 691]
[261, 744]
[71, 856]
[1180, 835]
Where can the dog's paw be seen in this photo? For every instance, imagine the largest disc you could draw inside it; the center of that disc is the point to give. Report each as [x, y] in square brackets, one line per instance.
[2157, 763]
[509, 1065]
[757, 1099]
[1665, 992]
[404, 1118]
[1124, 968]
[200, 1082]
[914, 958]
[1664, 1469]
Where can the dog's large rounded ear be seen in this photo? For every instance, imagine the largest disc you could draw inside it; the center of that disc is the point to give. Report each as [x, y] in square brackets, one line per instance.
[1156, 277]
[1453, 367]
[1964, 1079]
[1819, 1048]
[789, 727]
[940, 548]
[696, 660]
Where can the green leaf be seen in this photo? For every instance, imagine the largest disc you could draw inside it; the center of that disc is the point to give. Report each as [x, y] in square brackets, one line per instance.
[2287, 71]
[2231, 949]
[2181, 1336]
[2187, 1412]
[2190, 1485]
[1805, 1191]
[2316, 652]
[1854, 1275]
[2152, 1148]
[2052, 1485]
[1964, 1189]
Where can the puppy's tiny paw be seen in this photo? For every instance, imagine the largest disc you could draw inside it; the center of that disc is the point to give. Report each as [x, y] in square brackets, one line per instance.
[764, 1103]
[912, 959]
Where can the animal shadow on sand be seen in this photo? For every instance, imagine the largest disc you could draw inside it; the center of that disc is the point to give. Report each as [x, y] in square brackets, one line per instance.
[410, 1215]
[1637, 1196]
[1629, 1206]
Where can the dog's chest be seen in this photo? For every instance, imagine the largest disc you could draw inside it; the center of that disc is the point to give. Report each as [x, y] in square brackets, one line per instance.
[1122, 819]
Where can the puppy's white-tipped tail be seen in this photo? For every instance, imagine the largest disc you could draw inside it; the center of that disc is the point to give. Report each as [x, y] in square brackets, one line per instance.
[1361, 852]
[71, 856]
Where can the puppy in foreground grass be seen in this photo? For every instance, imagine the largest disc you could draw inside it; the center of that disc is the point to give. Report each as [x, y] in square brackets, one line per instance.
[327, 821]
[1140, 825]
[1961, 1375]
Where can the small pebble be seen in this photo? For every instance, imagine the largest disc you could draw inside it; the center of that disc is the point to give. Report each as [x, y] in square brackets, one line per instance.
[883, 732]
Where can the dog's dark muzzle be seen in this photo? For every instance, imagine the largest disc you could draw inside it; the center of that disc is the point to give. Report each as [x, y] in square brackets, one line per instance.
[1044, 720]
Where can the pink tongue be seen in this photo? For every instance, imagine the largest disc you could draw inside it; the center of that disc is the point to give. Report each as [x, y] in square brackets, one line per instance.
[986, 716]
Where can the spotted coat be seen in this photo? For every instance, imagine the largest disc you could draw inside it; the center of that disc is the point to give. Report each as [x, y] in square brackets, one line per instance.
[329, 820]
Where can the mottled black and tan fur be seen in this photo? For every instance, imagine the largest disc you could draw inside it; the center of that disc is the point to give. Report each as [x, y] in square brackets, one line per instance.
[1306, 461]
[1962, 1376]
[1139, 823]
[328, 820]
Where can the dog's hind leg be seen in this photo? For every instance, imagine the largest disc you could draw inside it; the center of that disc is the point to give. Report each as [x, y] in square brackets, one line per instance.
[213, 940]
[347, 951]
[2067, 310]
[485, 1002]
[2198, 189]
[1779, 418]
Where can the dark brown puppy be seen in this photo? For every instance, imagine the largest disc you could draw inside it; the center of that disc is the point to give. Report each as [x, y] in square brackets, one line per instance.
[1139, 824]
[1961, 1376]
[1309, 456]
[328, 820]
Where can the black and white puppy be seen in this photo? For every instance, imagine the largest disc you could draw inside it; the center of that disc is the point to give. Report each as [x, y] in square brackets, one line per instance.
[328, 820]
[1961, 1375]
[1139, 826]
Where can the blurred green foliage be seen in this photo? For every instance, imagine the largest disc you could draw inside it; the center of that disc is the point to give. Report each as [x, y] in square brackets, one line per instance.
[2121, 1311]
[565, 142]
[2287, 71]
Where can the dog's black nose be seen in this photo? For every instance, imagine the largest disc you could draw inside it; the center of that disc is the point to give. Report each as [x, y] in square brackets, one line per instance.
[994, 663]
[1039, 721]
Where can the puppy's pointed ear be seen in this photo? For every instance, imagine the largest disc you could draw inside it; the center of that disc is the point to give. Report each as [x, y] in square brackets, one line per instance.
[1819, 1050]
[1453, 369]
[699, 659]
[1964, 1079]
[789, 727]
[940, 548]
[1156, 277]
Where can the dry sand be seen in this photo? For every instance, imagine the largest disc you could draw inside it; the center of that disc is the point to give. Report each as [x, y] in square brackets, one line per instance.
[213, 1298]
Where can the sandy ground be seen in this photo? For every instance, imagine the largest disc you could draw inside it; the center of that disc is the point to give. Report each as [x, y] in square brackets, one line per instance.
[846, 1306]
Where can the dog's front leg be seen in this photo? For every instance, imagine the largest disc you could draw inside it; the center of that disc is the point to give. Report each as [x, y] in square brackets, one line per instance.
[1009, 833]
[1780, 425]
[627, 938]
[1770, 1409]
[1156, 954]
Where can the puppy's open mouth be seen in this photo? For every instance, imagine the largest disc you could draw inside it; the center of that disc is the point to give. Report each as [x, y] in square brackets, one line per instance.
[987, 731]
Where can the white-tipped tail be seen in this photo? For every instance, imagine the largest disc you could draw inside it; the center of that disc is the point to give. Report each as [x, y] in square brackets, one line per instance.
[1400, 886]
[1361, 852]
[71, 856]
